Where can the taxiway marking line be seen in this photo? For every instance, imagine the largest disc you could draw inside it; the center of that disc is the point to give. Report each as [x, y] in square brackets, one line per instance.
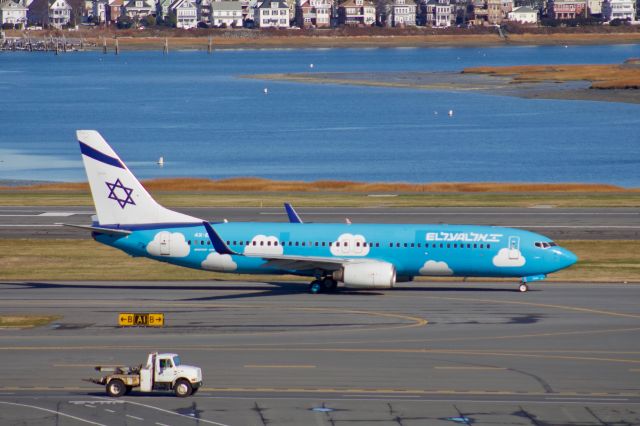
[198, 420]
[467, 368]
[15, 404]
[278, 366]
[30, 225]
[134, 417]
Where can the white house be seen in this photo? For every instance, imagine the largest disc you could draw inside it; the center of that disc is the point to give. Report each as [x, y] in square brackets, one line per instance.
[13, 13]
[271, 14]
[54, 13]
[403, 13]
[524, 15]
[226, 13]
[438, 13]
[186, 13]
[618, 9]
[138, 9]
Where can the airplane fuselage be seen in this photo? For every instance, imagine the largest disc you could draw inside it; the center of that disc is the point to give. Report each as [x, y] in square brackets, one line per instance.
[414, 250]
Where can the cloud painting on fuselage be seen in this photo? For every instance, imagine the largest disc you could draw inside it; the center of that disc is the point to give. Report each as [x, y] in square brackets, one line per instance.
[363, 256]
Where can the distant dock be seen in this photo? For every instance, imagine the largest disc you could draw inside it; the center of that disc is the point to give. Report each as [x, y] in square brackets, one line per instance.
[44, 44]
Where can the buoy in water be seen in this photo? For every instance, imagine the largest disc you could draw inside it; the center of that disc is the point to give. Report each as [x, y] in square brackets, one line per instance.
[310, 65]
[450, 113]
[161, 161]
[266, 91]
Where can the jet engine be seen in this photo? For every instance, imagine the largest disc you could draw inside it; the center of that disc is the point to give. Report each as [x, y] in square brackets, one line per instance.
[367, 275]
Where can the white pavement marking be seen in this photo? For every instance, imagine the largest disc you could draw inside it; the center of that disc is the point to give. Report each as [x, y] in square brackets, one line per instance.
[38, 225]
[109, 411]
[562, 398]
[169, 412]
[359, 213]
[58, 214]
[134, 417]
[52, 411]
[161, 424]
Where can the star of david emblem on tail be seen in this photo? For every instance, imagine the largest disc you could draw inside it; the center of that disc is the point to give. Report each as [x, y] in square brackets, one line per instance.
[116, 190]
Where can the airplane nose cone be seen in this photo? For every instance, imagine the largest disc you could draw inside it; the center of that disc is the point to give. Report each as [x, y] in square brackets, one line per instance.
[568, 258]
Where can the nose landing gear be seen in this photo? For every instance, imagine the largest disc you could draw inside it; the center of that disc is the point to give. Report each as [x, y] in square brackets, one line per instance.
[523, 288]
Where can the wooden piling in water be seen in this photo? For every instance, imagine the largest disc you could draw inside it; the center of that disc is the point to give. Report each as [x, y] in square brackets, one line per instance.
[104, 45]
[117, 47]
[165, 50]
[210, 46]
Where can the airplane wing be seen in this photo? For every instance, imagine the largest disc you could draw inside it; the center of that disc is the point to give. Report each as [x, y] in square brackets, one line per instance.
[305, 263]
[287, 262]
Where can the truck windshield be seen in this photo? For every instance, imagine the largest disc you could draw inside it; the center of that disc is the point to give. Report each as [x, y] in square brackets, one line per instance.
[176, 361]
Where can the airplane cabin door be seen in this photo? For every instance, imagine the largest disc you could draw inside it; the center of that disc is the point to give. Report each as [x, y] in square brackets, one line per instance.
[165, 243]
[514, 248]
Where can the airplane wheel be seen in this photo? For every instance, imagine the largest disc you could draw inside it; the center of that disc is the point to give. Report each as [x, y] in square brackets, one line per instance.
[315, 287]
[329, 284]
[523, 288]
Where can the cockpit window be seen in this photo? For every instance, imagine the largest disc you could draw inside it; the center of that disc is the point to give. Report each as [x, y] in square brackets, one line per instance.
[545, 244]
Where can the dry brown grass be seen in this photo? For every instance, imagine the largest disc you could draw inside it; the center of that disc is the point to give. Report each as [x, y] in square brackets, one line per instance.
[254, 184]
[609, 76]
[26, 321]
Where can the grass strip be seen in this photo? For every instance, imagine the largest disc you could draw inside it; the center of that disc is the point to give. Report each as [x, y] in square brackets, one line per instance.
[26, 321]
[79, 260]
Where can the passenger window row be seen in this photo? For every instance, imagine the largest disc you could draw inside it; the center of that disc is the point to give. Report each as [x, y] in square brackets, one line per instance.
[357, 244]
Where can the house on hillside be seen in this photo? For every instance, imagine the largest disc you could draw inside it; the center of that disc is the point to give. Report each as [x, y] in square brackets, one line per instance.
[226, 14]
[566, 9]
[271, 14]
[403, 13]
[138, 9]
[437, 13]
[12, 13]
[52, 13]
[618, 9]
[524, 15]
[314, 13]
[186, 14]
[356, 12]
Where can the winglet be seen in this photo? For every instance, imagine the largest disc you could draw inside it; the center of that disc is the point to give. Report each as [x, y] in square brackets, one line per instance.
[218, 244]
[294, 217]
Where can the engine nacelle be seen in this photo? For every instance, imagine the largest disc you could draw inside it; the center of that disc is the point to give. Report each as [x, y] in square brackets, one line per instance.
[367, 275]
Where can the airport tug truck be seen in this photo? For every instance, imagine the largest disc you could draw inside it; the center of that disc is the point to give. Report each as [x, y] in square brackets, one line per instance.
[162, 372]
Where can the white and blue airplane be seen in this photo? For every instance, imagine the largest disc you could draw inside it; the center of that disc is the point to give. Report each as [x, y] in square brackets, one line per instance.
[360, 256]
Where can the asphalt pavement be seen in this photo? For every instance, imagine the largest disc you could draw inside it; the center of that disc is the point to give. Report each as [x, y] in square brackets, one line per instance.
[560, 224]
[272, 354]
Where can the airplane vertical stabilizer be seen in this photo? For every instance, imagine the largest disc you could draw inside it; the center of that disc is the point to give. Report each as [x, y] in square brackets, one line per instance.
[119, 197]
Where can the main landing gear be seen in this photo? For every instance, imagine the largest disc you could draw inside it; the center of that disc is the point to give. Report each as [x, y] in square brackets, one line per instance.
[323, 285]
[523, 287]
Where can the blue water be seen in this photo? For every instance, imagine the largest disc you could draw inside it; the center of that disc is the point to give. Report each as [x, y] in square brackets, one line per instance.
[194, 110]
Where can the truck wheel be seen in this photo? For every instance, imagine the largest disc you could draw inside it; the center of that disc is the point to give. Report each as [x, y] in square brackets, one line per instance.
[116, 388]
[182, 388]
